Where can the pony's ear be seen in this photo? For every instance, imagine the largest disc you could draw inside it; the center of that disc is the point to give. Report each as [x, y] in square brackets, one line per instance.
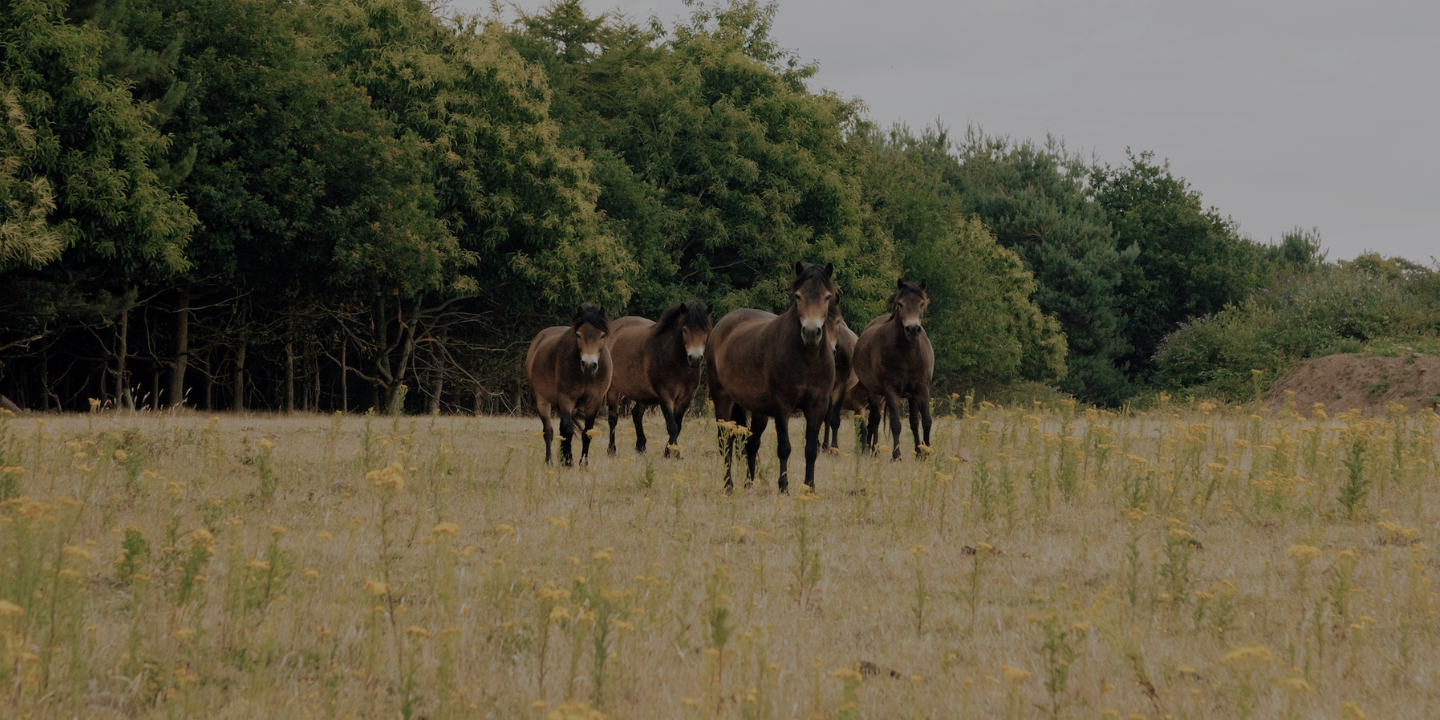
[579, 314]
[829, 270]
[900, 283]
[799, 268]
[922, 286]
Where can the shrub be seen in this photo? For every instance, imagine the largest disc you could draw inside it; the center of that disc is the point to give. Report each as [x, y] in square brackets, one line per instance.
[1338, 308]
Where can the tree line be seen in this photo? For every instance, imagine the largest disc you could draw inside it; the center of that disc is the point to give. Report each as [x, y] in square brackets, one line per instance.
[351, 204]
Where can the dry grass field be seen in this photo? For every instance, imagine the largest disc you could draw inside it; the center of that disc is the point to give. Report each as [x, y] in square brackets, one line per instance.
[1188, 562]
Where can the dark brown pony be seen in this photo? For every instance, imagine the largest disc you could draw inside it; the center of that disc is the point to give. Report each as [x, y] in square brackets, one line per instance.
[774, 366]
[658, 363]
[894, 360]
[569, 368]
[848, 394]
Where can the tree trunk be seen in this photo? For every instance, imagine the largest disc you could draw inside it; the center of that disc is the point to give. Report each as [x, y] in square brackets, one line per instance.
[182, 349]
[155, 386]
[437, 377]
[207, 382]
[344, 373]
[239, 404]
[313, 403]
[289, 376]
[122, 379]
[44, 383]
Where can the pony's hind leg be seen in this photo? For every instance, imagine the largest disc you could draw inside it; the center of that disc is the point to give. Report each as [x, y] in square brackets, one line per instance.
[752, 445]
[637, 413]
[567, 431]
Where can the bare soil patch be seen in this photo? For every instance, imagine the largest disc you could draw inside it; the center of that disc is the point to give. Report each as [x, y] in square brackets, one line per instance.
[1351, 381]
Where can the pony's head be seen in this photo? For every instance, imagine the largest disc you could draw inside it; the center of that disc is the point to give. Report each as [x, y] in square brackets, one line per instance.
[692, 320]
[816, 299]
[907, 305]
[590, 328]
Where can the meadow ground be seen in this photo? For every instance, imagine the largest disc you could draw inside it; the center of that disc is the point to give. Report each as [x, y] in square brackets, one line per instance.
[1187, 562]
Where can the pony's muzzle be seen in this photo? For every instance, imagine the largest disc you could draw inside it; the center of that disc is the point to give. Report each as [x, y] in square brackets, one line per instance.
[696, 357]
[912, 329]
[589, 363]
[812, 335]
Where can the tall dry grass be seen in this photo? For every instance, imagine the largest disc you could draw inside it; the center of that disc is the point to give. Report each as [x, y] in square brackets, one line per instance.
[1039, 562]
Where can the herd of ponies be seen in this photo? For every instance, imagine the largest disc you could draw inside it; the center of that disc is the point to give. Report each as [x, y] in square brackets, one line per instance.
[760, 366]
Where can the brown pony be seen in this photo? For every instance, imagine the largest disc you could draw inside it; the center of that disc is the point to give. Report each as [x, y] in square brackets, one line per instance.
[848, 394]
[894, 360]
[658, 363]
[569, 368]
[774, 366]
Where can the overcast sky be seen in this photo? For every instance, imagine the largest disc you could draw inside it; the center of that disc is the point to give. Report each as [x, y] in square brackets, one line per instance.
[1311, 113]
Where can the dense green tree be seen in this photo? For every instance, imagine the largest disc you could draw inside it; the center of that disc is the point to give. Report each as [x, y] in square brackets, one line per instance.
[1036, 201]
[1192, 262]
[27, 239]
[982, 321]
[718, 165]
[361, 189]
[92, 143]
[95, 146]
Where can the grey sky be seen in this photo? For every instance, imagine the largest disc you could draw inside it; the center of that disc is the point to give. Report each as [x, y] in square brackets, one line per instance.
[1281, 113]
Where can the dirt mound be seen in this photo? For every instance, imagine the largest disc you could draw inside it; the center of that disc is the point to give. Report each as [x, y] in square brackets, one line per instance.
[1344, 382]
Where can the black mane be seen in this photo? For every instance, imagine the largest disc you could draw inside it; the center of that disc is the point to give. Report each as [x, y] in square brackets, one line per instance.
[589, 313]
[690, 313]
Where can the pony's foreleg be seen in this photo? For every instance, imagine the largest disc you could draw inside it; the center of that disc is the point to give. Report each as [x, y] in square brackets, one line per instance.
[729, 451]
[892, 406]
[915, 423]
[924, 400]
[724, 440]
[782, 450]
[832, 424]
[544, 410]
[567, 431]
[585, 439]
[672, 430]
[612, 407]
[637, 414]
[752, 445]
[812, 447]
